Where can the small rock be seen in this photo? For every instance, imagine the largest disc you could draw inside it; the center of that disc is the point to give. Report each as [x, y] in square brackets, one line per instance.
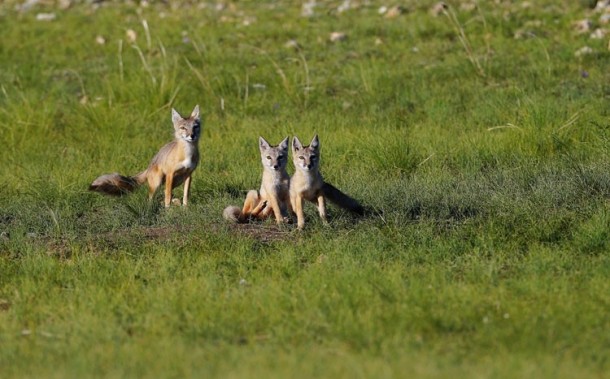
[131, 35]
[248, 21]
[64, 4]
[602, 6]
[337, 36]
[598, 33]
[524, 33]
[583, 51]
[345, 6]
[394, 12]
[307, 10]
[100, 40]
[438, 9]
[46, 16]
[27, 5]
[292, 44]
[582, 26]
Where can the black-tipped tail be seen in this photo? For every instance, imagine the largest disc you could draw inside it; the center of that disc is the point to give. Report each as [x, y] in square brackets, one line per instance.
[342, 200]
[232, 213]
[114, 184]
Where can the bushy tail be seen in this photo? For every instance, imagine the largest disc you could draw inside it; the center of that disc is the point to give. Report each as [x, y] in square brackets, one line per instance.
[116, 184]
[342, 200]
[232, 213]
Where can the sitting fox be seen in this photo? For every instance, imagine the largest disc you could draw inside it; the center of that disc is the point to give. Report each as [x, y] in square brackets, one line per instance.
[307, 183]
[274, 193]
[173, 165]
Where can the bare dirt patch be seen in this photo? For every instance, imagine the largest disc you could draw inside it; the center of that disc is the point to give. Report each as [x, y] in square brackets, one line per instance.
[262, 232]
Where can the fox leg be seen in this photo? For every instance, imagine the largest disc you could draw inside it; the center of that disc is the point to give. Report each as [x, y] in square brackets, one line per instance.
[169, 179]
[187, 187]
[277, 211]
[258, 210]
[250, 204]
[154, 181]
[322, 208]
[297, 205]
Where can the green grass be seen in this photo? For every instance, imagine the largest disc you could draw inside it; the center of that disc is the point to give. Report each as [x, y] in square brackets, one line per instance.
[484, 159]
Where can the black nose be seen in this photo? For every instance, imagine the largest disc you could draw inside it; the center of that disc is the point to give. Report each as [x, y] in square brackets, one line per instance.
[275, 166]
[309, 165]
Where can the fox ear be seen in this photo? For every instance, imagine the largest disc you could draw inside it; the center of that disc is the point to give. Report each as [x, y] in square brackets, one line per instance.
[175, 116]
[296, 144]
[315, 143]
[195, 112]
[284, 144]
[263, 144]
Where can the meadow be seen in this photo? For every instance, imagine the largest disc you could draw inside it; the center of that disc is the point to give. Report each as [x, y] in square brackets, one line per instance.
[478, 136]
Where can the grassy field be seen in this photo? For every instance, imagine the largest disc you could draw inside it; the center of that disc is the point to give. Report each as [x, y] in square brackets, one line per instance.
[479, 136]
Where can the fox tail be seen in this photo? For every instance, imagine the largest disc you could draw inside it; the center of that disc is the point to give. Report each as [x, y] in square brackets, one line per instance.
[253, 208]
[233, 213]
[116, 184]
[342, 200]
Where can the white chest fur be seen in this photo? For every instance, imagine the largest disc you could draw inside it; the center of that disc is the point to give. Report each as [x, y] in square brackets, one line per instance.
[190, 160]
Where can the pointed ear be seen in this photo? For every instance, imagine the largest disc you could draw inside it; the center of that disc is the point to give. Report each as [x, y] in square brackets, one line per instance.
[284, 144]
[175, 116]
[195, 112]
[263, 144]
[296, 144]
[315, 143]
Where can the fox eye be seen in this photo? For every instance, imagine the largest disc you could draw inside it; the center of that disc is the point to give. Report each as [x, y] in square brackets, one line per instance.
[280, 157]
[301, 157]
[269, 157]
[312, 157]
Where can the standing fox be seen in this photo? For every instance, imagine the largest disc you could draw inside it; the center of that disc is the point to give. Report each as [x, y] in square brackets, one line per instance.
[307, 183]
[274, 193]
[173, 164]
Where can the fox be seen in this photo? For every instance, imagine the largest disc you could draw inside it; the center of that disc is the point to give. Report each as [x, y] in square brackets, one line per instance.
[273, 196]
[173, 164]
[308, 184]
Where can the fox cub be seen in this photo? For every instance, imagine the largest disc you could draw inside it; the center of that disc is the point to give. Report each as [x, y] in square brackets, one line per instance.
[173, 164]
[307, 183]
[274, 193]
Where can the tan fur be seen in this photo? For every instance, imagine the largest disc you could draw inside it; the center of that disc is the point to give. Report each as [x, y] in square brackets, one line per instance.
[273, 196]
[308, 184]
[173, 164]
